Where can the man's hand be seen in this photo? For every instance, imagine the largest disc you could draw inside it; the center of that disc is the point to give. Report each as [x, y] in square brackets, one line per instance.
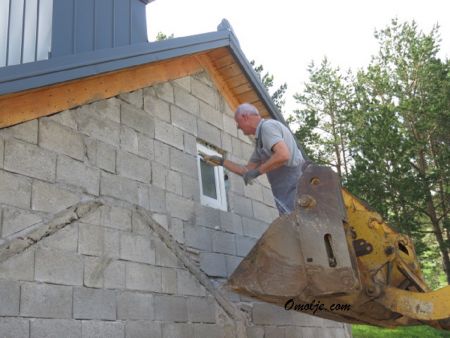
[213, 160]
[250, 175]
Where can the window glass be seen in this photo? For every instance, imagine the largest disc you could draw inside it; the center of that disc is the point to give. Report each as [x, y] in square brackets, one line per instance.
[208, 180]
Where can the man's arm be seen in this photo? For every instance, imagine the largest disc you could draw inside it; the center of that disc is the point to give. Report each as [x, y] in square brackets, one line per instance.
[238, 169]
[280, 156]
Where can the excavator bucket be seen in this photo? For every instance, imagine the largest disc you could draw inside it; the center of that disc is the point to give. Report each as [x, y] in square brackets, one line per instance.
[332, 249]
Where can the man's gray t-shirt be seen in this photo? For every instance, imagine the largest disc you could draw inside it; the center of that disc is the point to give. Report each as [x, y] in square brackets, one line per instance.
[272, 132]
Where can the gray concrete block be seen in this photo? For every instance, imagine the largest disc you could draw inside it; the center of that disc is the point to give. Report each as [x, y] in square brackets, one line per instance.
[65, 118]
[244, 245]
[162, 154]
[190, 188]
[183, 82]
[159, 175]
[133, 167]
[268, 314]
[253, 228]
[232, 263]
[46, 301]
[209, 133]
[254, 191]
[136, 248]
[105, 109]
[170, 308]
[224, 243]
[129, 139]
[138, 226]
[104, 272]
[106, 157]
[230, 222]
[2, 151]
[209, 331]
[137, 119]
[155, 106]
[229, 125]
[19, 267]
[184, 120]
[30, 160]
[190, 144]
[186, 101]
[184, 163]
[144, 195]
[61, 139]
[116, 217]
[78, 174]
[173, 182]
[206, 216]
[164, 91]
[263, 212]
[268, 197]
[134, 306]
[142, 329]
[176, 229]
[14, 328]
[256, 332]
[237, 148]
[9, 298]
[102, 329]
[247, 149]
[211, 115]
[135, 98]
[198, 237]
[236, 184]
[177, 330]
[15, 220]
[46, 328]
[103, 130]
[213, 264]
[179, 207]
[64, 239]
[204, 77]
[15, 190]
[241, 205]
[169, 280]
[26, 131]
[164, 256]
[188, 285]
[204, 92]
[226, 142]
[201, 309]
[119, 187]
[59, 267]
[157, 198]
[143, 277]
[51, 198]
[168, 134]
[98, 241]
[94, 304]
[146, 146]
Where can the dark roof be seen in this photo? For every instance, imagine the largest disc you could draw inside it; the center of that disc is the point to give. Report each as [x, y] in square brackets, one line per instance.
[57, 70]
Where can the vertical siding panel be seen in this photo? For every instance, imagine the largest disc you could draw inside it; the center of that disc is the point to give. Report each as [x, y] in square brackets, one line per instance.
[29, 44]
[84, 26]
[138, 26]
[103, 24]
[15, 32]
[122, 22]
[62, 42]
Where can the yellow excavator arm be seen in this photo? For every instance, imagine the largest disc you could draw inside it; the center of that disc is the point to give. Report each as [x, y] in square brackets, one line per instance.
[334, 251]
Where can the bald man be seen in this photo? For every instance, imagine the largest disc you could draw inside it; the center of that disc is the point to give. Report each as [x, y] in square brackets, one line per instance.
[276, 155]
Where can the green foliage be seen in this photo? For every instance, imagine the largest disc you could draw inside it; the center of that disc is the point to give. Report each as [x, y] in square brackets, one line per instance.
[161, 36]
[366, 331]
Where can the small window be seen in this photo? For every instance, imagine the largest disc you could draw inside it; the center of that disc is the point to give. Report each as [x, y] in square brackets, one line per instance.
[212, 181]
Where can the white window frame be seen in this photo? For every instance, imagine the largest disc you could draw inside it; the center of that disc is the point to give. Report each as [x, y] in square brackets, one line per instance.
[221, 201]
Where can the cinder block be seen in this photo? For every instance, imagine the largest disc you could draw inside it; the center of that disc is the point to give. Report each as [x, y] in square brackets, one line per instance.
[2, 151]
[184, 120]
[169, 280]
[136, 248]
[201, 309]
[213, 264]
[26, 131]
[268, 197]
[143, 277]
[184, 163]
[229, 125]
[188, 285]
[144, 195]
[61, 139]
[64, 239]
[135, 98]
[157, 198]
[129, 139]
[209, 331]
[59, 267]
[30, 160]
[162, 153]
[15, 220]
[164, 256]
[134, 306]
[138, 226]
[65, 118]
[45, 328]
[264, 212]
[253, 228]
[78, 174]
[204, 92]
[247, 149]
[177, 330]
[224, 243]
[206, 216]
[50, 198]
[133, 167]
[159, 175]
[104, 272]
[256, 332]
[241, 205]
[190, 188]
[236, 184]
[164, 91]
[46, 301]
[268, 314]
[254, 191]
[179, 207]
[137, 119]
[209, 133]
[101, 129]
[244, 245]
[204, 77]
[106, 109]
[226, 142]
[102, 329]
[232, 263]
[155, 106]
[230, 222]
[168, 134]
[198, 237]
[211, 115]
[19, 267]
[237, 148]
[116, 217]
[190, 144]
[176, 229]
[146, 147]
[106, 157]
[14, 328]
[9, 298]
[94, 304]
[173, 182]
[142, 329]
[15, 190]
[185, 100]
[170, 308]
[98, 241]
[183, 82]
[119, 187]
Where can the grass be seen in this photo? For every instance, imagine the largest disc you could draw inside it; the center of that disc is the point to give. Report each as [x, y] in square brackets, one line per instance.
[367, 331]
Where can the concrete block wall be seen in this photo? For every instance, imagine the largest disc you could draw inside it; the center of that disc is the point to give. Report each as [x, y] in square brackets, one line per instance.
[108, 274]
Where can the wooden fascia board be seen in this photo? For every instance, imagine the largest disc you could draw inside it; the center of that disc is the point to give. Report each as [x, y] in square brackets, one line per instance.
[28, 105]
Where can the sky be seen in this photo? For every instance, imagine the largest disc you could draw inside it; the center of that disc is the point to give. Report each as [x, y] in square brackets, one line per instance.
[286, 35]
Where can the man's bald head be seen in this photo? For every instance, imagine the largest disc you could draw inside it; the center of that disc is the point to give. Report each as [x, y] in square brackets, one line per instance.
[246, 109]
